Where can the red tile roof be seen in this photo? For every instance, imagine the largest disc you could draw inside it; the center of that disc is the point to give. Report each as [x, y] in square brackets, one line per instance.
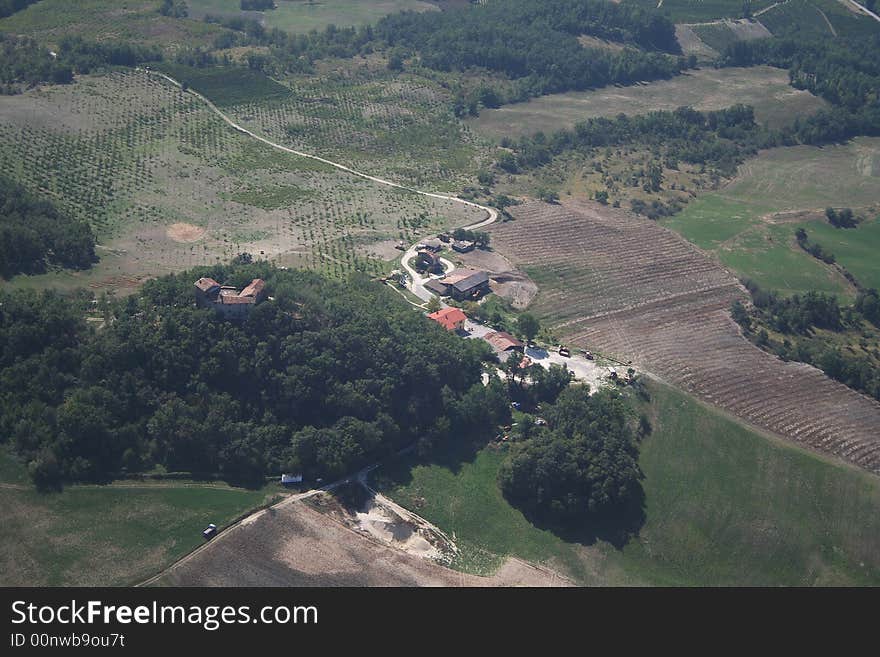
[254, 289]
[205, 284]
[503, 341]
[234, 299]
[449, 318]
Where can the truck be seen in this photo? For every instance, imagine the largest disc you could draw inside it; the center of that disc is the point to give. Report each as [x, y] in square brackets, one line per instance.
[210, 531]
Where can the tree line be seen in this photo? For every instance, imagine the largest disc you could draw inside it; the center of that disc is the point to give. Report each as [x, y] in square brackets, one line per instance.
[24, 63]
[35, 235]
[796, 318]
[9, 7]
[720, 139]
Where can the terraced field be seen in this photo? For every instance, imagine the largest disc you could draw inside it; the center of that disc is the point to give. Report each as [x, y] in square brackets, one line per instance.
[628, 288]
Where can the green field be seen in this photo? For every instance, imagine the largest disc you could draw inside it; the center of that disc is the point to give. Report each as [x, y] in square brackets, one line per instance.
[300, 16]
[105, 535]
[750, 223]
[724, 506]
[228, 86]
[692, 11]
[767, 89]
[133, 21]
[817, 18]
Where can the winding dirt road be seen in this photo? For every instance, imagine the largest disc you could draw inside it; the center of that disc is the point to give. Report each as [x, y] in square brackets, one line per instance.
[414, 281]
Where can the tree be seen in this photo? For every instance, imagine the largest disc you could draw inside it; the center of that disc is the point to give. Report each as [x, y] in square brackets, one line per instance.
[433, 304]
[528, 326]
[585, 466]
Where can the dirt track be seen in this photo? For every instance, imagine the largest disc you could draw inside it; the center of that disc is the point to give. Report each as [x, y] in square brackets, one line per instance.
[626, 287]
[295, 545]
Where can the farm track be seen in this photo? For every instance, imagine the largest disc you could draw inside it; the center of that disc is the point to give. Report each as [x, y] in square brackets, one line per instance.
[492, 214]
[636, 291]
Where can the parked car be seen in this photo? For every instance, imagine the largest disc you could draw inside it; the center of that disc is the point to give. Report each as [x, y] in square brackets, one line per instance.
[563, 351]
[588, 355]
[210, 531]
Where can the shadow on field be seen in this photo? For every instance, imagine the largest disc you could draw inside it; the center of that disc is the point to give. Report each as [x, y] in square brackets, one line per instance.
[616, 527]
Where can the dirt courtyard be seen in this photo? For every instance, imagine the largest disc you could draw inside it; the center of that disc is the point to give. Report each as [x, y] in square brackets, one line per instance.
[292, 544]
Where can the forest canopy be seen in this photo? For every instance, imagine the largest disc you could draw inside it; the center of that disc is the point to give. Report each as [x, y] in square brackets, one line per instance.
[322, 379]
[35, 235]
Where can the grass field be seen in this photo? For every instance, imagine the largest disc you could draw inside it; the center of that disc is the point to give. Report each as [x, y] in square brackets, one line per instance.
[105, 535]
[817, 18]
[300, 16]
[133, 21]
[692, 11]
[776, 103]
[724, 506]
[750, 223]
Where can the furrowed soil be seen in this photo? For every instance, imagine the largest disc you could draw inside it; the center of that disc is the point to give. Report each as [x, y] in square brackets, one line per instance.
[627, 288]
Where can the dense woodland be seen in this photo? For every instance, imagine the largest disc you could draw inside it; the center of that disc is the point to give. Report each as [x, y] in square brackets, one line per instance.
[34, 235]
[9, 7]
[323, 379]
[536, 43]
[851, 358]
[584, 460]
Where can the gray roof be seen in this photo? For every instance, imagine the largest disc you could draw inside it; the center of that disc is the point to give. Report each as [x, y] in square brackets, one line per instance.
[471, 281]
[437, 287]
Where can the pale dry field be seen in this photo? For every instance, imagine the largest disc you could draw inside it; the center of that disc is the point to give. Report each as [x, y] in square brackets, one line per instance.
[764, 87]
[295, 545]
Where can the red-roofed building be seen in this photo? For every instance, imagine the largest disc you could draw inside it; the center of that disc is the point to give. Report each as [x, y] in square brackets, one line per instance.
[256, 289]
[503, 341]
[449, 318]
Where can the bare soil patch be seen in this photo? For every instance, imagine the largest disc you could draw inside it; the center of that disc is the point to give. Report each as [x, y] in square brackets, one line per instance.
[185, 232]
[295, 545]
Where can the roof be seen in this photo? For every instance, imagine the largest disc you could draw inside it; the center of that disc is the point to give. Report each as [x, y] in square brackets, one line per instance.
[235, 299]
[438, 287]
[503, 341]
[433, 243]
[254, 289]
[448, 318]
[457, 275]
[472, 281]
[205, 284]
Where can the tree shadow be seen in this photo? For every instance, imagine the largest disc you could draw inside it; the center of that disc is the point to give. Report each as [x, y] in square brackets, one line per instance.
[616, 527]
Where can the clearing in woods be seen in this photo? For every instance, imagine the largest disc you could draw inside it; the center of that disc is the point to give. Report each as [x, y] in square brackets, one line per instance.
[724, 505]
[299, 17]
[750, 223]
[625, 287]
[134, 21]
[767, 89]
[134, 156]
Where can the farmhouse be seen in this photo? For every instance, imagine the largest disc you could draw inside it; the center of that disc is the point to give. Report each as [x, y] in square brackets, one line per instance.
[433, 244]
[468, 284]
[461, 284]
[502, 341]
[227, 300]
[462, 247]
[429, 261]
[451, 319]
